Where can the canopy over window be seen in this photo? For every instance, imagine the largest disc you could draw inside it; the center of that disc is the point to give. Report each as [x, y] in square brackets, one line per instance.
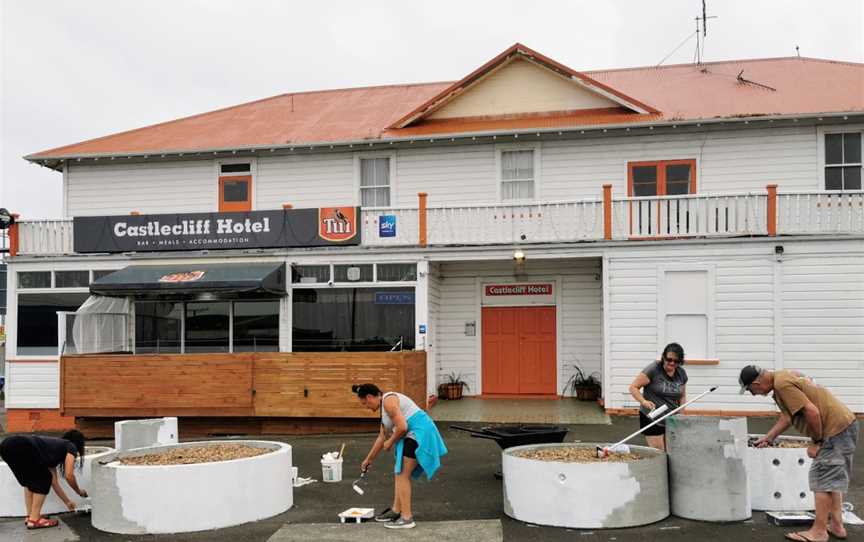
[189, 280]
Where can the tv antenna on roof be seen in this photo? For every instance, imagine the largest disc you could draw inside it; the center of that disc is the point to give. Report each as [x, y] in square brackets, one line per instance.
[700, 44]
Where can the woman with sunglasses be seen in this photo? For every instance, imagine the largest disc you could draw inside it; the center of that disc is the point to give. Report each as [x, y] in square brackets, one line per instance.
[661, 383]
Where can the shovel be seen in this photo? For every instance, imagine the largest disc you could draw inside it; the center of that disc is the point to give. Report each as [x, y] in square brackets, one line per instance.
[604, 451]
[359, 482]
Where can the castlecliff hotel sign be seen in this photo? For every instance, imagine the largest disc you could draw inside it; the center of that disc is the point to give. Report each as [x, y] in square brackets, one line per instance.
[208, 231]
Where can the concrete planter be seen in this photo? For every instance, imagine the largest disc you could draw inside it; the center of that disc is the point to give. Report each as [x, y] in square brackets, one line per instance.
[778, 477]
[12, 494]
[159, 499]
[585, 495]
[707, 474]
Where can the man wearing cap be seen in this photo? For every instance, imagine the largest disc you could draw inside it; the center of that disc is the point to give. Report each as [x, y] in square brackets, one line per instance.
[815, 412]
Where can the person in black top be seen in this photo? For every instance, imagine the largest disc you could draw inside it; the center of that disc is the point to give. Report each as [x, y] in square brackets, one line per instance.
[661, 383]
[34, 461]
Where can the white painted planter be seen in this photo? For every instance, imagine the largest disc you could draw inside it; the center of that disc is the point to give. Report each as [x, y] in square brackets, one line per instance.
[164, 499]
[778, 477]
[131, 434]
[12, 494]
[585, 495]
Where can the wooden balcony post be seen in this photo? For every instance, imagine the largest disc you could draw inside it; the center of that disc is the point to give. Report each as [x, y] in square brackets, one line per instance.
[607, 211]
[772, 210]
[135, 213]
[13, 236]
[421, 217]
[287, 206]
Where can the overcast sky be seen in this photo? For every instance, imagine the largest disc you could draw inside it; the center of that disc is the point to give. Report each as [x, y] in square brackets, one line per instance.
[77, 70]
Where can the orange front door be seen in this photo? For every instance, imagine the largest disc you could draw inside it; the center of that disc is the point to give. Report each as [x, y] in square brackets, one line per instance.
[519, 350]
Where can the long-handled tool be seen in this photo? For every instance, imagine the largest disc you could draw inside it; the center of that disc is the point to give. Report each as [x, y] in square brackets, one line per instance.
[360, 482]
[604, 451]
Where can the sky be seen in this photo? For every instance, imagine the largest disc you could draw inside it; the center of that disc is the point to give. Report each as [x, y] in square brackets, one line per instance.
[71, 71]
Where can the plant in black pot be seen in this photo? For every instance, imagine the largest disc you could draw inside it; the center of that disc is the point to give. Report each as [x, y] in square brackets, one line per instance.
[452, 388]
[583, 387]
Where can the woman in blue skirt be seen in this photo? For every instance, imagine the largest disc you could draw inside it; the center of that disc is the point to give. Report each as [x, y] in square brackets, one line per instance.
[417, 444]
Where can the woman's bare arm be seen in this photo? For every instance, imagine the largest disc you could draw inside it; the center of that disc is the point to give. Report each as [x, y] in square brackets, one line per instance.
[635, 389]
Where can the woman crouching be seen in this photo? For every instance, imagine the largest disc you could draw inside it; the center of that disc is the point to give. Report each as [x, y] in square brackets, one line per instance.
[417, 444]
[34, 461]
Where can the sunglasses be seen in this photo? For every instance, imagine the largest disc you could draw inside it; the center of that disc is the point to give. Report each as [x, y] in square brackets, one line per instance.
[676, 361]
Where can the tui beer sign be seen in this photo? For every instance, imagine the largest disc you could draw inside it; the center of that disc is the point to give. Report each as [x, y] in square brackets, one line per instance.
[331, 226]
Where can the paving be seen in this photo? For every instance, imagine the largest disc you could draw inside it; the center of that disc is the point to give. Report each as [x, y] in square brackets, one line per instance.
[465, 498]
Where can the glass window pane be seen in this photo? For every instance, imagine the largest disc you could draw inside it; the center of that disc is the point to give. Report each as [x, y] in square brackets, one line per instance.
[517, 165]
[396, 272]
[310, 273]
[851, 148]
[353, 273]
[34, 279]
[71, 279]
[207, 327]
[833, 148]
[256, 326]
[235, 190]
[157, 327]
[99, 273]
[235, 168]
[374, 172]
[37, 321]
[833, 178]
[374, 197]
[678, 179]
[353, 319]
[852, 178]
[644, 181]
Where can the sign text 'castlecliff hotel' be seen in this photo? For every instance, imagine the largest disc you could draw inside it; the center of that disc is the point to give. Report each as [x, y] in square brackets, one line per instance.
[207, 231]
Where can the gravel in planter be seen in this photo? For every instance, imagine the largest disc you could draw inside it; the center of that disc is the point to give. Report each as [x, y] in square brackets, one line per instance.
[566, 454]
[783, 444]
[189, 455]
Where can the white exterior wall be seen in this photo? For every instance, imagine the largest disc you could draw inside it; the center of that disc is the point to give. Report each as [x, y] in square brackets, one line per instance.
[806, 312]
[578, 314]
[727, 161]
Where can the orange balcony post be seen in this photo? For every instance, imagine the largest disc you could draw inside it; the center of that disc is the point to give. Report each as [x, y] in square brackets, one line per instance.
[13, 236]
[135, 213]
[772, 209]
[421, 217]
[287, 206]
[607, 211]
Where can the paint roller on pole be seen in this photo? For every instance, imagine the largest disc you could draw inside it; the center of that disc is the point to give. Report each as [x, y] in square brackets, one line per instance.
[604, 451]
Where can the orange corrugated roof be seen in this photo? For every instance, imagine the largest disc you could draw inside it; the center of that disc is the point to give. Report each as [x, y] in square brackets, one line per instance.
[682, 92]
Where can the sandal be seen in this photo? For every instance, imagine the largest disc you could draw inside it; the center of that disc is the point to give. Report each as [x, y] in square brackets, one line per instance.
[42, 523]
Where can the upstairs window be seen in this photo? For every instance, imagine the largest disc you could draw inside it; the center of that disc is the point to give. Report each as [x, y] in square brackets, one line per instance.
[661, 178]
[375, 182]
[235, 187]
[517, 175]
[843, 161]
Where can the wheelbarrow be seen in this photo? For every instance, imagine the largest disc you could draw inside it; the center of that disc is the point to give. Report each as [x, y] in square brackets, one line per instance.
[508, 436]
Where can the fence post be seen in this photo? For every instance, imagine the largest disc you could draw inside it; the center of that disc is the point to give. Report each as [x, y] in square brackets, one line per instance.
[421, 217]
[13, 236]
[607, 211]
[772, 209]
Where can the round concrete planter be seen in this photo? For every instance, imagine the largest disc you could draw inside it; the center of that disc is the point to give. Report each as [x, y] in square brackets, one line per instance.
[160, 499]
[12, 494]
[778, 477]
[585, 495]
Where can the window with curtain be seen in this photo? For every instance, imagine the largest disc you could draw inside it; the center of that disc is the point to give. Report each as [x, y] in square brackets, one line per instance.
[375, 182]
[517, 175]
[843, 161]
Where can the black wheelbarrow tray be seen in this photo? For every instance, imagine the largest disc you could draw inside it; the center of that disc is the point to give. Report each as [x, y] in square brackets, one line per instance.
[508, 436]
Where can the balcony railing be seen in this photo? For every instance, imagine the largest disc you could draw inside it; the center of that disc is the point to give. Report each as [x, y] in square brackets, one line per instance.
[607, 218]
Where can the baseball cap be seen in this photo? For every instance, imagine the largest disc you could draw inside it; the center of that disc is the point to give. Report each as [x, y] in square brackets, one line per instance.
[747, 376]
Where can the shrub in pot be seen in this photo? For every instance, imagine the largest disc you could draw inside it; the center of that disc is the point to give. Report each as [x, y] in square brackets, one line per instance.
[452, 388]
[583, 387]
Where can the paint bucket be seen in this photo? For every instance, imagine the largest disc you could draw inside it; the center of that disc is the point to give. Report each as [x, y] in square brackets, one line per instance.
[331, 470]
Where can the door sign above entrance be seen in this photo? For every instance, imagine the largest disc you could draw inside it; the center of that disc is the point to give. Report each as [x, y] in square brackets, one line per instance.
[534, 293]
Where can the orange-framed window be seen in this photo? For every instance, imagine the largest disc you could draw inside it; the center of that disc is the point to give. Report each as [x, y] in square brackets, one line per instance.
[661, 178]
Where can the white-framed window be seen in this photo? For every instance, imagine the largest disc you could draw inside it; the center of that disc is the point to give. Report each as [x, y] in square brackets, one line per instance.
[518, 172]
[685, 312]
[375, 180]
[843, 160]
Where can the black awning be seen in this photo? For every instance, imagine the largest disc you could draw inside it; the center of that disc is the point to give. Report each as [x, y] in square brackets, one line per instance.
[180, 280]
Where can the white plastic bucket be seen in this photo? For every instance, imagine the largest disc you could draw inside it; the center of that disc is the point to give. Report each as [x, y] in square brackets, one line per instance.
[331, 470]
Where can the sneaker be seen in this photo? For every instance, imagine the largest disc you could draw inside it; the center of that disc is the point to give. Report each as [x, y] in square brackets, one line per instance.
[401, 523]
[386, 516]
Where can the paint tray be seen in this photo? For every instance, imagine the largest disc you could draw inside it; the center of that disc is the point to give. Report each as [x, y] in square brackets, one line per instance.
[357, 515]
[786, 519]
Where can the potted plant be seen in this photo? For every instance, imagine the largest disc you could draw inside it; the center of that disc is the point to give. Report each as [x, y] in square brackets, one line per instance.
[452, 388]
[583, 387]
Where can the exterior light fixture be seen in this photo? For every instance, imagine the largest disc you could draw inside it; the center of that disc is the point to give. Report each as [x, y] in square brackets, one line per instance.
[519, 256]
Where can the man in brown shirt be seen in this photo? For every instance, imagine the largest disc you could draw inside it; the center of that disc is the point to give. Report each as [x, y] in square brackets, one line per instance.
[815, 412]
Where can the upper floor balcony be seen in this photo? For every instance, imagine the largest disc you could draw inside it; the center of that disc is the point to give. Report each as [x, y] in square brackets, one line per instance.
[609, 218]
